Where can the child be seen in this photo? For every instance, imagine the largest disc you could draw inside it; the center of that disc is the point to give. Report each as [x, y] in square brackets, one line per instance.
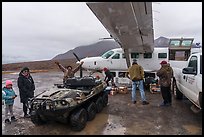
[9, 95]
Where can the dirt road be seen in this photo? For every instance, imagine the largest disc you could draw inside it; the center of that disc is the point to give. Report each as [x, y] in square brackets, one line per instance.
[120, 117]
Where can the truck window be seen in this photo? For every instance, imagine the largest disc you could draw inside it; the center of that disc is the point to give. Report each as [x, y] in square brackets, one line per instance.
[193, 62]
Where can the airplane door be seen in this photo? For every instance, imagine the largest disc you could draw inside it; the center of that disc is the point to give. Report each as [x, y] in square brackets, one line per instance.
[116, 61]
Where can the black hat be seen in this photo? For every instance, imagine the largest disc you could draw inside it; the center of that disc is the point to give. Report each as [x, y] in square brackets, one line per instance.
[25, 68]
[134, 60]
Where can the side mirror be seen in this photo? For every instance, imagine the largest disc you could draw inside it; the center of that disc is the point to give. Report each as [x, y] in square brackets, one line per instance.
[189, 70]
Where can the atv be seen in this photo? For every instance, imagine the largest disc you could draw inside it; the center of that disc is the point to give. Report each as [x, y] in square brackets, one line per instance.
[75, 102]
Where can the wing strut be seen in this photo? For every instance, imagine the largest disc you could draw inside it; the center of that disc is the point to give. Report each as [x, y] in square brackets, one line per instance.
[126, 52]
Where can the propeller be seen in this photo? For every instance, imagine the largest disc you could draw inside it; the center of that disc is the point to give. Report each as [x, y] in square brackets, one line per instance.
[80, 66]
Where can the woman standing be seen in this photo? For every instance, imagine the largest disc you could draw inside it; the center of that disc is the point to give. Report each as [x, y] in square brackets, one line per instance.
[26, 88]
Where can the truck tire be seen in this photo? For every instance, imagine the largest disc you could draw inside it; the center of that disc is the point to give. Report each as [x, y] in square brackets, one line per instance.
[91, 111]
[176, 91]
[78, 119]
[99, 104]
[37, 120]
[105, 99]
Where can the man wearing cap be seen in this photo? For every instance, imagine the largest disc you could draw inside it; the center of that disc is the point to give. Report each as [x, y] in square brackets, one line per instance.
[136, 73]
[165, 73]
[26, 88]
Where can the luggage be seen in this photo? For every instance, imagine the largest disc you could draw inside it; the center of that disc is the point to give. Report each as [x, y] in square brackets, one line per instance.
[154, 88]
[81, 82]
[123, 90]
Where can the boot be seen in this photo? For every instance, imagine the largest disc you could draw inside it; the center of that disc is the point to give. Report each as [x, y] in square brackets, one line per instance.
[7, 121]
[13, 118]
[27, 116]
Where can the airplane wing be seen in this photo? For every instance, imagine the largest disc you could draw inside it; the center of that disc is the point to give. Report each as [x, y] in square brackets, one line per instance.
[129, 23]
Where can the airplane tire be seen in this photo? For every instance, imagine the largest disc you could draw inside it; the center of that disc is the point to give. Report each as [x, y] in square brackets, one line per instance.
[78, 119]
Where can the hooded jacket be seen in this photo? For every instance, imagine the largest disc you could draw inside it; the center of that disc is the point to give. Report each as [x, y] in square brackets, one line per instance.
[26, 87]
[7, 95]
[165, 74]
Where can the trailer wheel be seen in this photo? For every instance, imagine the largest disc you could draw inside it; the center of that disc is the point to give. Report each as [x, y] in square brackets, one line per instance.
[99, 104]
[91, 111]
[176, 91]
[105, 99]
[78, 119]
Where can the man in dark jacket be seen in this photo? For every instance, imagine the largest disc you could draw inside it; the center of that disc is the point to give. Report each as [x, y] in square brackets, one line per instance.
[165, 73]
[109, 77]
[26, 88]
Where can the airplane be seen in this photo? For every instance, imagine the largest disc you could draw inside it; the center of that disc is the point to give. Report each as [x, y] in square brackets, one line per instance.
[114, 59]
[130, 24]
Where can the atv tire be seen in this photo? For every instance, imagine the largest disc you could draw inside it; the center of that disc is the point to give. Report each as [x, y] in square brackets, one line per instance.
[99, 104]
[105, 99]
[91, 111]
[78, 119]
[37, 120]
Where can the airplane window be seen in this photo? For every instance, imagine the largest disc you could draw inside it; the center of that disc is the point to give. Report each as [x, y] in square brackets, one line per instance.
[135, 55]
[162, 55]
[121, 74]
[175, 42]
[147, 55]
[186, 42]
[124, 56]
[116, 56]
[107, 54]
[114, 74]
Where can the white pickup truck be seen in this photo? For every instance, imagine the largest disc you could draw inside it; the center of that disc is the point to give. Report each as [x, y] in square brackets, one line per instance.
[188, 81]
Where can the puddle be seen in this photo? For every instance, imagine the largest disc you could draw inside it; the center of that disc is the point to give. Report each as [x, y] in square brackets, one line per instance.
[113, 126]
[192, 129]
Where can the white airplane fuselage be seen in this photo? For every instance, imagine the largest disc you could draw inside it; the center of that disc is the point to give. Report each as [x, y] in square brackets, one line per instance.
[114, 60]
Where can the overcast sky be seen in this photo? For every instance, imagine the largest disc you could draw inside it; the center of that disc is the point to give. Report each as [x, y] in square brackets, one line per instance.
[40, 31]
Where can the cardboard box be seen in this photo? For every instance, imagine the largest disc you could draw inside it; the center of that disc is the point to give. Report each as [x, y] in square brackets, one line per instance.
[112, 92]
[123, 90]
[154, 88]
[115, 89]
